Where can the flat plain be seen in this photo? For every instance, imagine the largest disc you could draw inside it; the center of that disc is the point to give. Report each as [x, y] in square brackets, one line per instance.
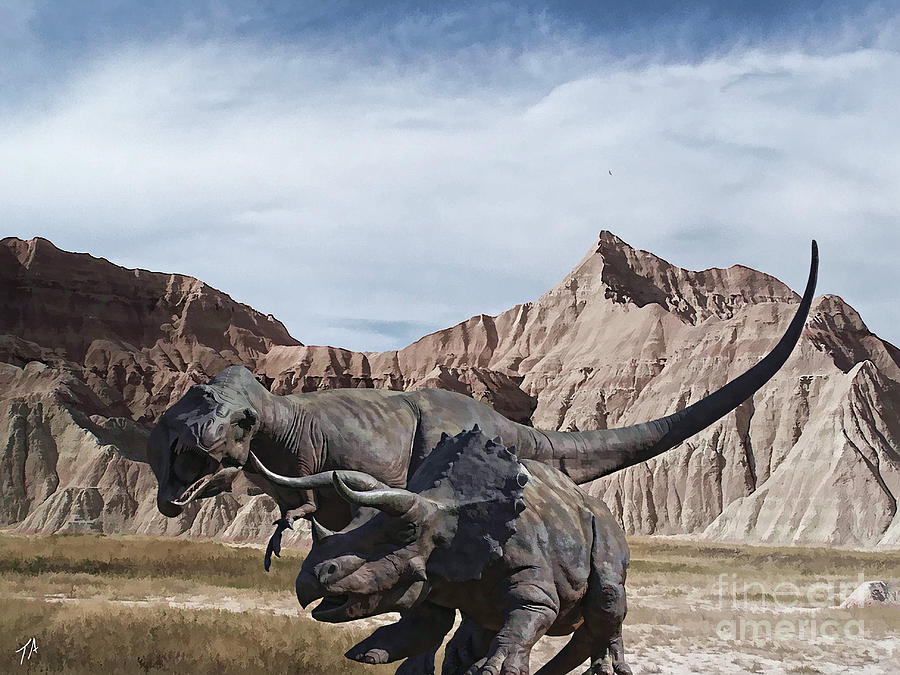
[97, 604]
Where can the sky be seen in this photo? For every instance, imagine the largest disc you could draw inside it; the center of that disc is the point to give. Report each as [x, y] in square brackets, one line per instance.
[369, 172]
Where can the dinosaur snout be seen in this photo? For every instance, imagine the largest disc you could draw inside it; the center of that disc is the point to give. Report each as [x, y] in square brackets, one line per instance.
[327, 573]
[211, 434]
[332, 571]
[308, 588]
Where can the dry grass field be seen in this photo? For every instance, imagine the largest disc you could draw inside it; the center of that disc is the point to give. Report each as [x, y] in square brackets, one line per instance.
[126, 604]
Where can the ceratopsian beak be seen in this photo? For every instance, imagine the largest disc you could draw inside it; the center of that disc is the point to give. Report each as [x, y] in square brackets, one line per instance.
[308, 588]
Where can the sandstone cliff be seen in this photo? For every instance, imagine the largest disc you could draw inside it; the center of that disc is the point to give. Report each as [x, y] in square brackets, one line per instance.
[812, 458]
[93, 353]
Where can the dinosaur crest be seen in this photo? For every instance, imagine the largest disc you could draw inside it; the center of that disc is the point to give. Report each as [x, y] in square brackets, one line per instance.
[482, 483]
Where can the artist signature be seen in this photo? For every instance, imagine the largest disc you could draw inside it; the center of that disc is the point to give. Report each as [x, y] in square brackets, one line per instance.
[30, 647]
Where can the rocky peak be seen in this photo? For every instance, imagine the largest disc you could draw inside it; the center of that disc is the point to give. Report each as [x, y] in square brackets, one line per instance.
[140, 338]
[625, 275]
[838, 330]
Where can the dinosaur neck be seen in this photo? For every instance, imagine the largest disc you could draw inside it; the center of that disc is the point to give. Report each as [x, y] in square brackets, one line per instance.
[279, 417]
[285, 437]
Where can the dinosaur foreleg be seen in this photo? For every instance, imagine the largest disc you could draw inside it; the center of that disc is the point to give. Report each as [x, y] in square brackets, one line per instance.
[304, 511]
[285, 522]
[420, 631]
[469, 643]
[532, 612]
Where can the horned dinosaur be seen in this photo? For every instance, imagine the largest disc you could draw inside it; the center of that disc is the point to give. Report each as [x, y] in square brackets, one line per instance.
[513, 544]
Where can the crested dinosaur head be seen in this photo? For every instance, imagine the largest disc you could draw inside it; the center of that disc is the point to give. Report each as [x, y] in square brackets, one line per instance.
[458, 512]
[202, 441]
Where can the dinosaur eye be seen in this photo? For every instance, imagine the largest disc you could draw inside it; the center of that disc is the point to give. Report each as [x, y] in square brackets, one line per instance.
[247, 421]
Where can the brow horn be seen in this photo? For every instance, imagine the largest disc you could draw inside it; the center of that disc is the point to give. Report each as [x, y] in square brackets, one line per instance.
[393, 501]
[357, 479]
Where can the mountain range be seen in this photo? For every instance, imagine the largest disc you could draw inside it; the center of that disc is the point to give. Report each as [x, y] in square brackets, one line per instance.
[92, 353]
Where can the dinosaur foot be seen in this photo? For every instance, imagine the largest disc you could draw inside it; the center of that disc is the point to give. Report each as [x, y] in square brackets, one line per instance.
[420, 664]
[605, 667]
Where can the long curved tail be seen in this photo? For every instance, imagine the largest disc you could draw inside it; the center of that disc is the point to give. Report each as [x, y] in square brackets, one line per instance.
[587, 455]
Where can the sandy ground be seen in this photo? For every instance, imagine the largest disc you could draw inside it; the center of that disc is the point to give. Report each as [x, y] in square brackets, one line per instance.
[651, 648]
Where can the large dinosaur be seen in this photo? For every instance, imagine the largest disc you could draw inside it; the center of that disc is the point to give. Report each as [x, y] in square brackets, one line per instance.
[202, 441]
[513, 544]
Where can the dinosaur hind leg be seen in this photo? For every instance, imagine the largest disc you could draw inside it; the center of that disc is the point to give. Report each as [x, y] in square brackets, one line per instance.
[576, 651]
[604, 611]
[600, 636]
[606, 655]
[617, 656]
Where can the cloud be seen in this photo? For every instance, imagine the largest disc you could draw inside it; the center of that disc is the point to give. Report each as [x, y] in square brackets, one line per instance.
[360, 197]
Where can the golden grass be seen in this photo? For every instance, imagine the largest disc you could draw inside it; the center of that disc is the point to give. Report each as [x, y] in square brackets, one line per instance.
[106, 559]
[649, 554]
[101, 561]
[754, 575]
[100, 637]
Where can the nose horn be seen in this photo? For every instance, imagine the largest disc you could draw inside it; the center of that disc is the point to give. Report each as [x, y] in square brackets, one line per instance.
[318, 530]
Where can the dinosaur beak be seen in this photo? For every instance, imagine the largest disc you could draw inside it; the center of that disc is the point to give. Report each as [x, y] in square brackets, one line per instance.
[308, 589]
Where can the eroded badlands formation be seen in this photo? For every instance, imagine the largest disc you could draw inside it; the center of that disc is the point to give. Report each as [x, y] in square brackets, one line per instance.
[92, 353]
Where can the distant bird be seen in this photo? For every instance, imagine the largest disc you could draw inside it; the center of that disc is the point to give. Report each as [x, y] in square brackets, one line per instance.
[610, 172]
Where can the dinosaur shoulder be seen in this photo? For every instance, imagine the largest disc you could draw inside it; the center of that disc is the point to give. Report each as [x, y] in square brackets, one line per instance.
[553, 481]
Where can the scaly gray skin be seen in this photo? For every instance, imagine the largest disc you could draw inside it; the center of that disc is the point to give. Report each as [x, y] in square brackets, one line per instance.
[514, 545]
[202, 441]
